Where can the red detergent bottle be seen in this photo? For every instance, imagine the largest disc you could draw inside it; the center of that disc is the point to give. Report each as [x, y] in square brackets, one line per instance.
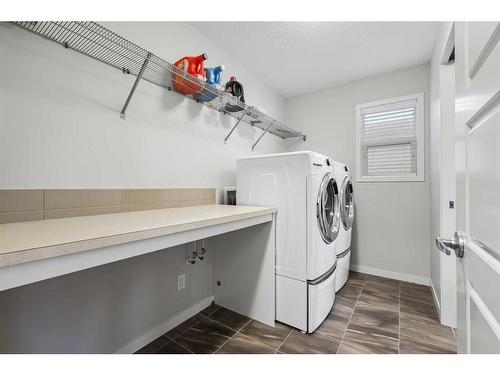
[189, 72]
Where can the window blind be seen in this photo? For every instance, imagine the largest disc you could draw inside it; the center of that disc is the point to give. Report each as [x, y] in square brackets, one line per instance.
[389, 139]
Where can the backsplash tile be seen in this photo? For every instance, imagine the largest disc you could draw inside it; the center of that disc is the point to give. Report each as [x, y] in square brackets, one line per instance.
[14, 217]
[197, 194]
[152, 206]
[79, 198]
[196, 203]
[20, 200]
[27, 205]
[154, 198]
[85, 211]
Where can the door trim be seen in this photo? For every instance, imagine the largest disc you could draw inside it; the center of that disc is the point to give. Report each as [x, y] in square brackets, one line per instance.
[487, 255]
[449, 47]
[487, 110]
[485, 52]
[435, 298]
[487, 314]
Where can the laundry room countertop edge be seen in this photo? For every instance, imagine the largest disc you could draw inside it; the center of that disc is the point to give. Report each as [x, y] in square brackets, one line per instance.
[36, 240]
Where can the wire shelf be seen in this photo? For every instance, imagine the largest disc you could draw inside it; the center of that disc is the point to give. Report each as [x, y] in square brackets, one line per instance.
[96, 41]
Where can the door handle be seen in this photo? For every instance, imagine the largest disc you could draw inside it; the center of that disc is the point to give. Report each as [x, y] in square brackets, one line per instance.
[457, 244]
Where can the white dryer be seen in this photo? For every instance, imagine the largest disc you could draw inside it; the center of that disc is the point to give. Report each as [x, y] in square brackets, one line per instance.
[343, 247]
[302, 187]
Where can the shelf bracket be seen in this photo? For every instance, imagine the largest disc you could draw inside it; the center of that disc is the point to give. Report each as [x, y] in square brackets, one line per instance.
[235, 125]
[139, 76]
[263, 133]
[302, 137]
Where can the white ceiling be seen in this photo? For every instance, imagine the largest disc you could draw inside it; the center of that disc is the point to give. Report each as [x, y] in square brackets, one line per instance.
[299, 57]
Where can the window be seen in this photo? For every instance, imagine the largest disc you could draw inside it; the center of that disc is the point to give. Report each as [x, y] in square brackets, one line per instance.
[390, 140]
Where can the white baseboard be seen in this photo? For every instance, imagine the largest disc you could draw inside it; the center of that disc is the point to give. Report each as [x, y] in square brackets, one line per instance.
[436, 300]
[164, 327]
[391, 275]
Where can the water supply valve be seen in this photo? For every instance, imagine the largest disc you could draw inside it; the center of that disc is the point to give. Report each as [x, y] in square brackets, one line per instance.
[192, 259]
[201, 256]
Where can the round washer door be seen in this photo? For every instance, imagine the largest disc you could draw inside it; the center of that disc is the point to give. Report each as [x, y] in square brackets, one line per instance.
[328, 208]
[347, 204]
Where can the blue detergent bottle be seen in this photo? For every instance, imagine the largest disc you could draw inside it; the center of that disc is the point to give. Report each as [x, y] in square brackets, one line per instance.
[214, 79]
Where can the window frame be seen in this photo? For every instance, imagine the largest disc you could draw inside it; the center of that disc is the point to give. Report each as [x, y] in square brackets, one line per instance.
[420, 129]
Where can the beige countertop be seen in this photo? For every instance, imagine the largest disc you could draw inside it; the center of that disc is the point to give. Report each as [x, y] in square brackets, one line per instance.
[36, 240]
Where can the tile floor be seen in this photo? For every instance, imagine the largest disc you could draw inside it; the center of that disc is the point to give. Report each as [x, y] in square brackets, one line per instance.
[371, 315]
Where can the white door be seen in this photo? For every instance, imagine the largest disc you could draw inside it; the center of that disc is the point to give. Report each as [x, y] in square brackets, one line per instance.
[477, 145]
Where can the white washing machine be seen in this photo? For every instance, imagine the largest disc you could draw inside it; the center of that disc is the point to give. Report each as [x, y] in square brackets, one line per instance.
[343, 246]
[302, 187]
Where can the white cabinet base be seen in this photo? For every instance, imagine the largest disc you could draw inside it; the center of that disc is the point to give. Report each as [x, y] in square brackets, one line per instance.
[244, 263]
[343, 264]
[303, 305]
[291, 302]
[321, 299]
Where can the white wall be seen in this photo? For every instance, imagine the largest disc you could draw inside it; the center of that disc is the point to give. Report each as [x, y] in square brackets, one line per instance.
[391, 229]
[102, 309]
[60, 128]
[60, 125]
[443, 268]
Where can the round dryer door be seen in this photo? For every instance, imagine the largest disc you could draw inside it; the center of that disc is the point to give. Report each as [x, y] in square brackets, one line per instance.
[328, 208]
[347, 204]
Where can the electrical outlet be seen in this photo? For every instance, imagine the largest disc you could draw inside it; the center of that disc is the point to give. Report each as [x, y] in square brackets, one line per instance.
[181, 281]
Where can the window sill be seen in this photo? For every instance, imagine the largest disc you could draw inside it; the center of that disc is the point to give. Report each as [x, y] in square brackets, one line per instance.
[390, 179]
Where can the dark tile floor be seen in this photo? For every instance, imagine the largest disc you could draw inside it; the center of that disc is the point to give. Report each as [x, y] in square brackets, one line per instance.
[371, 315]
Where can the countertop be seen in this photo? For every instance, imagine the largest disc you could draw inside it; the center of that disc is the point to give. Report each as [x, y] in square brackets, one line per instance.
[35, 240]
